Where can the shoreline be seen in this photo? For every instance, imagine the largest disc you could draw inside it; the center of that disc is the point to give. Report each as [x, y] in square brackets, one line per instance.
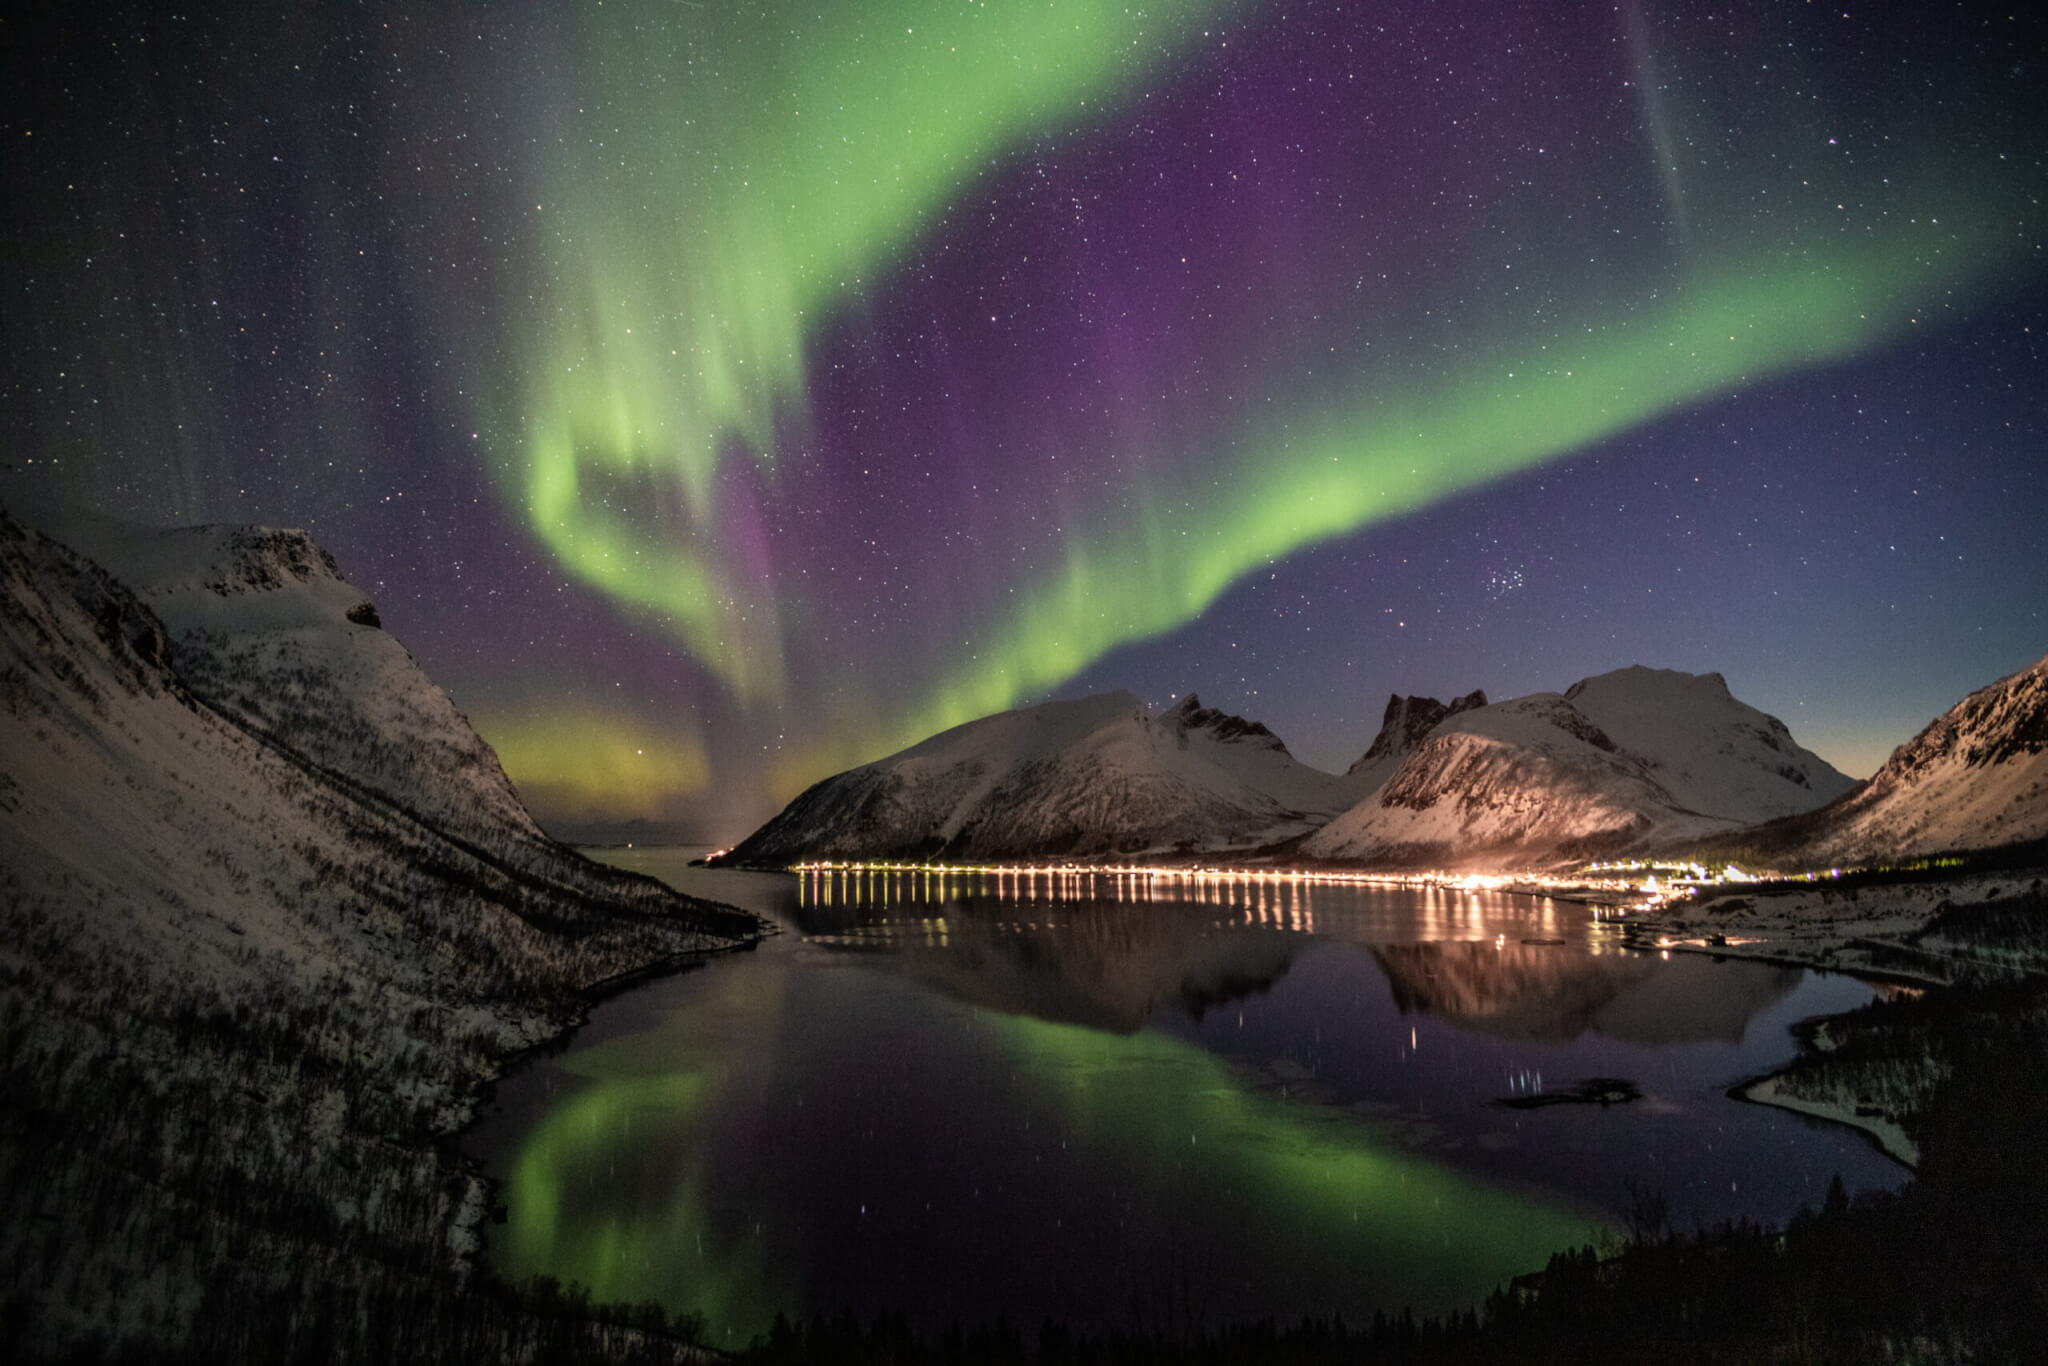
[1822, 929]
[1886, 1135]
[1635, 942]
[473, 1220]
[1870, 930]
[587, 998]
[1873, 932]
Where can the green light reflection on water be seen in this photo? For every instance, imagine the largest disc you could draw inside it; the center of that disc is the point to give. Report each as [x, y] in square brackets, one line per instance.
[647, 1250]
[1319, 1177]
[632, 1185]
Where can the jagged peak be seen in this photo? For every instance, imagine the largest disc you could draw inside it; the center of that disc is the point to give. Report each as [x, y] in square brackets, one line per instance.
[265, 557]
[1398, 706]
[217, 560]
[1971, 778]
[227, 560]
[1409, 720]
[1189, 714]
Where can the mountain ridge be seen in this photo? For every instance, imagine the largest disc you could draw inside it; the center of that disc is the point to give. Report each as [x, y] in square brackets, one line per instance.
[1406, 723]
[1621, 761]
[1618, 762]
[1097, 776]
[265, 629]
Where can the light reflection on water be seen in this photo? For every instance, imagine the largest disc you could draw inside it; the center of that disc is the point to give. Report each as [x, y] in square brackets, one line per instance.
[1272, 900]
[1076, 1097]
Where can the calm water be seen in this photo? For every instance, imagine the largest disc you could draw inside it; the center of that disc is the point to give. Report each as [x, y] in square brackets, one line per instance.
[1078, 1101]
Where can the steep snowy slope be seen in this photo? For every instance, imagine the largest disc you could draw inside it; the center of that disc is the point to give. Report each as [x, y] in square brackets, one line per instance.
[266, 630]
[1975, 778]
[1098, 776]
[243, 999]
[1620, 761]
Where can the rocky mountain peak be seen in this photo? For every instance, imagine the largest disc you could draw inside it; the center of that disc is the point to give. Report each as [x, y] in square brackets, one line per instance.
[1191, 715]
[1993, 725]
[1620, 760]
[256, 559]
[1409, 720]
[1976, 777]
[1095, 777]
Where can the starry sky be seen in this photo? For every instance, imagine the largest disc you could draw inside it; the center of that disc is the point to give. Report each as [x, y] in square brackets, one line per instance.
[716, 395]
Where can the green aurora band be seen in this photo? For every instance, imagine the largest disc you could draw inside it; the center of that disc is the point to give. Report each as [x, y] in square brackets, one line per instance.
[773, 164]
[1342, 472]
[775, 172]
[649, 1102]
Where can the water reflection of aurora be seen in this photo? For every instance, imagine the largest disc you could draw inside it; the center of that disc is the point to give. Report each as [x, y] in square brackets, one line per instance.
[708, 1169]
[643, 1123]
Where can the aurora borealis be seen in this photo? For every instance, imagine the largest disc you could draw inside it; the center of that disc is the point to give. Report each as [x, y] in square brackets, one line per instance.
[716, 395]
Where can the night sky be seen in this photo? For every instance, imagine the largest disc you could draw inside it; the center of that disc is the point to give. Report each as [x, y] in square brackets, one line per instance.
[716, 395]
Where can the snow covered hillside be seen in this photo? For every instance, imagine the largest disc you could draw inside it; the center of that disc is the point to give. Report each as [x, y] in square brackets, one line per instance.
[1975, 778]
[253, 966]
[1093, 777]
[265, 630]
[1621, 761]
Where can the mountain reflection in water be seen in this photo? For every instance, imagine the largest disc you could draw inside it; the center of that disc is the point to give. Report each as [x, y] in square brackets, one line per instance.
[1540, 992]
[1106, 968]
[1087, 1100]
[1108, 962]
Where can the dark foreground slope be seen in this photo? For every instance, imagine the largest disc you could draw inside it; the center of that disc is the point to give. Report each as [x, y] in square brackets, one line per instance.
[245, 997]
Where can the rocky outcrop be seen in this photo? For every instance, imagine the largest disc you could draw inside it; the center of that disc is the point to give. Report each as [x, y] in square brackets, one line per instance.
[1191, 716]
[1408, 722]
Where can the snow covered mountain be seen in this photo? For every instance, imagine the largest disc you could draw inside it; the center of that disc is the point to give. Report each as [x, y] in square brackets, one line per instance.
[265, 630]
[1975, 778]
[1621, 761]
[1093, 777]
[254, 969]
